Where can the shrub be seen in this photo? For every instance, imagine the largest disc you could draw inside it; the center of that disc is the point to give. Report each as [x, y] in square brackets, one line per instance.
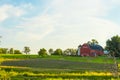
[42, 52]
[17, 52]
[58, 52]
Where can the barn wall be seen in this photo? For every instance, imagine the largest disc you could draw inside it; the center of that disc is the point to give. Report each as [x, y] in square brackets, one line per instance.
[85, 50]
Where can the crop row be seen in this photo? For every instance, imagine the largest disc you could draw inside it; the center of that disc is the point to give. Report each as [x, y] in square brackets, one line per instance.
[47, 76]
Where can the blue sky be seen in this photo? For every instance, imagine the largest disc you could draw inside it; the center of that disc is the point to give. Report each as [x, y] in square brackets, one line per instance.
[57, 23]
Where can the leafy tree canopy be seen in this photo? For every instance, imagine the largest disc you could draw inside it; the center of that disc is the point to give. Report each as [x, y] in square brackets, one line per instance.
[70, 51]
[17, 52]
[42, 52]
[93, 42]
[26, 49]
[51, 51]
[58, 52]
[113, 45]
[3, 50]
[11, 51]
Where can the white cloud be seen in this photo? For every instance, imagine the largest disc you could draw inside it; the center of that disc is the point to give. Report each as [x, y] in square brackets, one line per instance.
[35, 28]
[27, 6]
[3, 14]
[8, 10]
[115, 1]
[80, 7]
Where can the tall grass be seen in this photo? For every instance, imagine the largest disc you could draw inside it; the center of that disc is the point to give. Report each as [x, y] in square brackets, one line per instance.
[66, 76]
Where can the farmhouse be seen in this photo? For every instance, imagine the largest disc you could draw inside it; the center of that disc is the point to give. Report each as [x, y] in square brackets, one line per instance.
[90, 50]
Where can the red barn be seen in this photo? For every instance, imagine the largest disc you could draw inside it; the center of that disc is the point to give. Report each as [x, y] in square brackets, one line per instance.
[90, 50]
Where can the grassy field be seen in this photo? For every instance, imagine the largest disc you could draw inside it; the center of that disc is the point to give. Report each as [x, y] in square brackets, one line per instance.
[102, 59]
[34, 67]
[58, 64]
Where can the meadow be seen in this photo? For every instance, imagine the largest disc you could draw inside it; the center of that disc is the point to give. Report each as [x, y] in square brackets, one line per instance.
[34, 67]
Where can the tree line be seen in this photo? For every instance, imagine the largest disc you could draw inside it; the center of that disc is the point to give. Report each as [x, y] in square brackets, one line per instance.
[9, 51]
[14, 51]
[69, 51]
[41, 52]
[112, 45]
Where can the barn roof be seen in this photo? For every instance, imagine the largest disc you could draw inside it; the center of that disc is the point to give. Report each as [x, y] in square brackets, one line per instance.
[96, 47]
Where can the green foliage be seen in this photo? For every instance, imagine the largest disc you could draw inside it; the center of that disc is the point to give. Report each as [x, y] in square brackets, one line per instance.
[18, 56]
[26, 49]
[42, 52]
[57, 68]
[63, 76]
[70, 51]
[3, 50]
[113, 45]
[17, 52]
[58, 52]
[65, 63]
[51, 51]
[93, 42]
[4, 75]
[11, 51]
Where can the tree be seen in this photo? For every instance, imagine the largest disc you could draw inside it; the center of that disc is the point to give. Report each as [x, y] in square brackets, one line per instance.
[51, 51]
[26, 50]
[58, 52]
[70, 51]
[93, 42]
[4, 50]
[11, 51]
[42, 52]
[1, 51]
[113, 45]
[17, 52]
[66, 52]
[73, 51]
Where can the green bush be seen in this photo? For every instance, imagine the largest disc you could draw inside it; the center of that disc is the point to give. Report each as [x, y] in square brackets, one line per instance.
[42, 52]
[58, 52]
[17, 52]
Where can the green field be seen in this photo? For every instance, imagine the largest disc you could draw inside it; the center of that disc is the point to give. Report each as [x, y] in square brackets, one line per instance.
[34, 67]
[101, 59]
